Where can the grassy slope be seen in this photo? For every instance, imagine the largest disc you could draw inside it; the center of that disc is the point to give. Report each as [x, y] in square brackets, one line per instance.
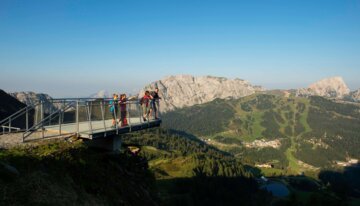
[293, 162]
[63, 173]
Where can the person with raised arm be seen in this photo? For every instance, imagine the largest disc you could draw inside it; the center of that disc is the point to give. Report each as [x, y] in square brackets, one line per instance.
[155, 103]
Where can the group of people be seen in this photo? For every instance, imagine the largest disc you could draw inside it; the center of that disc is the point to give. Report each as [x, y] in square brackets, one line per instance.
[114, 109]
[149, 103]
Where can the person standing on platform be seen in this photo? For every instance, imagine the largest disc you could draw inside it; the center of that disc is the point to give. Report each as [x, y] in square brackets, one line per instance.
[145, 103]
[155, 103]
[123, 111]
[114, 109]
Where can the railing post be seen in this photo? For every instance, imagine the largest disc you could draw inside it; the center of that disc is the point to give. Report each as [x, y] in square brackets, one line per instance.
[10, 125]
[42, 118]
[42, 111]
[63, 111]
[139, 108]
[77, 118]
[36, 113]
[60, 122]
[128, 117]
[89, 116]
[27, 118]
[102, 106]
[50, 111]
[116, 122]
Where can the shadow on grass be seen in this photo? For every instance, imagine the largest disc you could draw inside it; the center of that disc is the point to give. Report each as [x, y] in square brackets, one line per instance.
[202, 190]
[65, 174]
[345, 183]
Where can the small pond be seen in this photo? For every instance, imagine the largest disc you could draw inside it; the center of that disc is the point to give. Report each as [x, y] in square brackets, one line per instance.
[277, 189]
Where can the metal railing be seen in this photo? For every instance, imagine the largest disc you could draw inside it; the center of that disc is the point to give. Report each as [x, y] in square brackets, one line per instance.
[8, 125]
[79, 116]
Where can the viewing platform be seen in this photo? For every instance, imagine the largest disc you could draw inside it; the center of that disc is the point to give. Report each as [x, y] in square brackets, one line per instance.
[85, 118]
[97, 129]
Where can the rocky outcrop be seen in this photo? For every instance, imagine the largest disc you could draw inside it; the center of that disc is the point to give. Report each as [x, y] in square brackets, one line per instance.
[355, 96]
[185, 90]
[334, 87]
[32, 98]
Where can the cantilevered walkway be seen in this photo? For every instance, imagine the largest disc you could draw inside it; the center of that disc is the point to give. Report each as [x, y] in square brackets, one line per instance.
[87, 118]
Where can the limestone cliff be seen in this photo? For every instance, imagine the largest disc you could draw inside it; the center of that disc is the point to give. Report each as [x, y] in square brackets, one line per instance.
[32, 98]
[185, 90]
[334, 87]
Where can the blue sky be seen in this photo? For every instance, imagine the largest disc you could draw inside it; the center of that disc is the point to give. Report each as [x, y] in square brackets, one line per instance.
[75, 48]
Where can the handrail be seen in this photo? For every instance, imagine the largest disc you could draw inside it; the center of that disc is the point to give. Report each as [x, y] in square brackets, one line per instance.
[10, 128]
[97, 117]
[32, 106]
[16, 113]
[84, 98]
[41, 123]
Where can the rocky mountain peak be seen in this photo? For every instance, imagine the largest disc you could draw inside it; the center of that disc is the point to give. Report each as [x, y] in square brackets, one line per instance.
[32, 98]
[333, 87]
[355, 95]
[101, 94]
[186, 90]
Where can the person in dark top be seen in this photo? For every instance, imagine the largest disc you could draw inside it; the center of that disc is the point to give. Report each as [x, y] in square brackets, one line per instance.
[155, 102]
[123, 111]
[145, 103]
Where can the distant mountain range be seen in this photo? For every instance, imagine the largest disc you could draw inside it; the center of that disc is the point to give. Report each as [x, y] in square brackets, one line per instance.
[186, 90]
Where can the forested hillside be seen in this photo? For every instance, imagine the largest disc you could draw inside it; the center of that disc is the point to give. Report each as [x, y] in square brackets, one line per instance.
[168, 150]
[190, 172]
[171, 169]
[154, 167]
[289, 134]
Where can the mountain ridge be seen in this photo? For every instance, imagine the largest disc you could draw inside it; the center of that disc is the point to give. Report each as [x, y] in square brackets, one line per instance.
[185, 90]
[31, 98]
[178, 91]
[333, 87]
